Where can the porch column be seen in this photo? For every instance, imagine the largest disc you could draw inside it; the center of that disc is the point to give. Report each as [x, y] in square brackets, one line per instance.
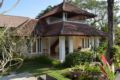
[61, 48]
[97, 41]
[92, 42]
[70, 44]
[49, 41]
[84, 42]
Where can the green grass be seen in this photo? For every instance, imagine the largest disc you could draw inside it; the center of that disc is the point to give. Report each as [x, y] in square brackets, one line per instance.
[37, 68]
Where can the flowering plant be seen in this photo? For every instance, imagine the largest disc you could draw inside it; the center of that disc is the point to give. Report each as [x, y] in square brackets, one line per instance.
[106, 69]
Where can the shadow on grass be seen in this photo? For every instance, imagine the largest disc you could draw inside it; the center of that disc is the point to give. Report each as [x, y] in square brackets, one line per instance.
[36, 68]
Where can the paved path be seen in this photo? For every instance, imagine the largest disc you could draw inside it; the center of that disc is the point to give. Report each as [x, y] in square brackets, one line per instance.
[118, 77]
[22, 76]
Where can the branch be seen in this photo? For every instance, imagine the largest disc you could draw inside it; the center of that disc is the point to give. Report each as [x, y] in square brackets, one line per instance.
[11, 7]
[1, 3]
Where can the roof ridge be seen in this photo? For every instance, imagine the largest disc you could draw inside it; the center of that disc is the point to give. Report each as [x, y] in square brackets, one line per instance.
[14, 16]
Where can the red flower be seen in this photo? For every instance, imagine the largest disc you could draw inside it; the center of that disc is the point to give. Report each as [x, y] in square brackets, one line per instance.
[103, 59]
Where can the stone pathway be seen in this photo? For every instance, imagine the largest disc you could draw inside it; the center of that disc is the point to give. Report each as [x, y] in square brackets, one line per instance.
[22, 76]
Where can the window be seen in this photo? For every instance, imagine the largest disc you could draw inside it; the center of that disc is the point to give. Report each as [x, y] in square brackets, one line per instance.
[39, 44]
[85, 43]
[35, 47]
[34, 43]
[82, 42]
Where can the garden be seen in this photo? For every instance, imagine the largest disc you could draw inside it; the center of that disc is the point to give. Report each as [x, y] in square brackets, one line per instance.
[77, 66]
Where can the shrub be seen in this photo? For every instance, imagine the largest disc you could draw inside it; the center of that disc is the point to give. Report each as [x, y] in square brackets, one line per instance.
[44, 60]
[77, 58]
[83, 72]
[102, 48]
[116, 52]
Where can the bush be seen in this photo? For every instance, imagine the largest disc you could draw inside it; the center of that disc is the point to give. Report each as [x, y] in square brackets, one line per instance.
[44, 60]
[102, 48]
[116, 52]
[77, 58]
[83, 72]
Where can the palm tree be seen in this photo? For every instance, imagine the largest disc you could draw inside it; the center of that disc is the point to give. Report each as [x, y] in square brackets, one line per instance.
[110, 28]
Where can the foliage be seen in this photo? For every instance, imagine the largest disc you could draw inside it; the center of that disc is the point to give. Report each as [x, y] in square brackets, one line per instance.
[44, 60]
[117, 36]
[83, 72]
[43, 12]
[40, 66]
[57, 75]
[77, 58]
[97, 7]
[106, 69]
[116, 52]
[102, 48]
[7, 50]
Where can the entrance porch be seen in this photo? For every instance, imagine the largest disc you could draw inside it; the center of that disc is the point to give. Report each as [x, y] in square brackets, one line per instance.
[62, 45]
[59, 46]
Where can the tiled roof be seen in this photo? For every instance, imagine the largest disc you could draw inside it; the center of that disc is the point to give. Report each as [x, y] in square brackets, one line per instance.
[72, 29]
[27, 28]
[12, 21]
[69, 8]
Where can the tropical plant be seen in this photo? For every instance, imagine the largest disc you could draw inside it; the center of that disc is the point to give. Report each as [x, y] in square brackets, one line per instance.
[117, 36]
[77, 58]
[116, 52]
[7, 51]
[106, 69]
[83, 72]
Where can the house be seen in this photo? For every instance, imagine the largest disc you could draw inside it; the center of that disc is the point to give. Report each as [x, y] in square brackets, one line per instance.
[56, 33]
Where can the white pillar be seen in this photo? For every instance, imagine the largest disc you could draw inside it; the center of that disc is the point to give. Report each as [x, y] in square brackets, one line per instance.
[84, 42]
[92, 39]
[97, 41]
[70, 44]
[36, 45]
[31, 46]
[49, 44]
[90, 45]
[61, 48]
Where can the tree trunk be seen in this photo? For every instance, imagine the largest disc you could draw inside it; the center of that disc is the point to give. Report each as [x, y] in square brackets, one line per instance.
[110, 29]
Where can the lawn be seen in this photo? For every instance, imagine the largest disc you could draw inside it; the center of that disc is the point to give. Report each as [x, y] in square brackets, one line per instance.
[37, 68]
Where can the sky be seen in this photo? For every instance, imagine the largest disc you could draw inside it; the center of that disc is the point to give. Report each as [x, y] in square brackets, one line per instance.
[28, 8]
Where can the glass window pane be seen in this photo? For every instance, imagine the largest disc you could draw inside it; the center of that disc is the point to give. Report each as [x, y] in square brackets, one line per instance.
[34, 46]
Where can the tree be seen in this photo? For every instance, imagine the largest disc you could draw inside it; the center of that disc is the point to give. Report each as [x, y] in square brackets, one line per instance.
[98, 7]
[43, 12]
[110, 28]
[102, 9]
[1, 3]
[8, 53]
[7, 46]
[12, 7]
